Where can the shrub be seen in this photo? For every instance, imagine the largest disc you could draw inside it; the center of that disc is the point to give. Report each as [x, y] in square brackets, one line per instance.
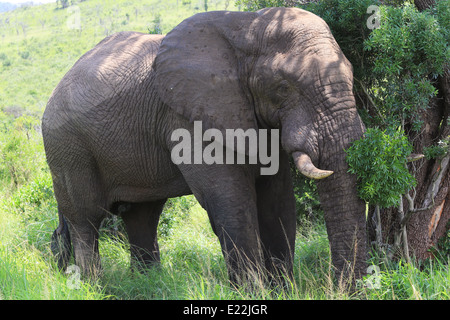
[379, 161]
[253, 5]
[306, 198]
[347, 20]
[24, 54]
[409, 51]
[34, 194]
[22, 152]
[175, 210]
[439, 150]
[156, 25]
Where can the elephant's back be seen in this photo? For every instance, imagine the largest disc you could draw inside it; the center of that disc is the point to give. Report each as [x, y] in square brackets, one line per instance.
[117, 62]
[113, 68]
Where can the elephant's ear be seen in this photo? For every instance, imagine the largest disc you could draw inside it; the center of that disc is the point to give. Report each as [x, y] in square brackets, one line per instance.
[197, 70]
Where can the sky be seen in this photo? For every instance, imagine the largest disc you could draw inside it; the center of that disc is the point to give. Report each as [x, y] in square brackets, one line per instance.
[22, 1]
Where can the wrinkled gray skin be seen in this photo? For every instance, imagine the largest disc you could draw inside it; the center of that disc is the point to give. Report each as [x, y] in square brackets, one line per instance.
[107, 129]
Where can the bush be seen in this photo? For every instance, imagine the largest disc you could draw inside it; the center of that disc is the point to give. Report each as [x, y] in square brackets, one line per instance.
[156, 25]
[22, 153]
[379, 161]
[439, 150]
[409, 50]
[175, 210]
[442, 13]
[253, 5]
[34, 194]
[307, 202]
[347, 20]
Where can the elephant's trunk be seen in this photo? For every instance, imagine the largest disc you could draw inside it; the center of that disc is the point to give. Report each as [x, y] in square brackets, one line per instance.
[344, 211]
[346, 225]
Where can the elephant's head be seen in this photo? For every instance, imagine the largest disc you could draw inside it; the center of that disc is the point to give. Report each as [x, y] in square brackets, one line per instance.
[275, 68]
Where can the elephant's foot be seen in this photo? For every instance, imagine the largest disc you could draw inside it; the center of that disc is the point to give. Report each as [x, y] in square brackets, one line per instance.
[142, 259]
[141, 222]
[61, 245]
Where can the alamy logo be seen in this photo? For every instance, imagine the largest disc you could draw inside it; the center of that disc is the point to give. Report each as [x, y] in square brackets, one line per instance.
[373, 22]
[224, 150]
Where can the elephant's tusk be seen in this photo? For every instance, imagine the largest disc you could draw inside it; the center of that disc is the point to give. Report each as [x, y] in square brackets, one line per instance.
[307, 168]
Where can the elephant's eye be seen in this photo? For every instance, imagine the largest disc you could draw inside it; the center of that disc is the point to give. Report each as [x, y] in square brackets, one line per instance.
[283, 89]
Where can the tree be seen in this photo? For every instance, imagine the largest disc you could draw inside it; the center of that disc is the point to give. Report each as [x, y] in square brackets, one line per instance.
[427, 207]
[424, 4]
[64, 3]
[402, 82]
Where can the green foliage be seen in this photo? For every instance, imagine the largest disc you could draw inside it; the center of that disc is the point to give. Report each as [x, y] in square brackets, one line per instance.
[5, 61]
[379, 161]
[175, 210]
[21, 150]
[39, 191]
[254, 5]
[156, 28]
[443, 247]
[306, 198]
[442, 13]
[438, 151]
[409, 50]
[347, 20]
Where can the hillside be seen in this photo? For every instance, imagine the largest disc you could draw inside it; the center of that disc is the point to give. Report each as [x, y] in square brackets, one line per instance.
[39, 44]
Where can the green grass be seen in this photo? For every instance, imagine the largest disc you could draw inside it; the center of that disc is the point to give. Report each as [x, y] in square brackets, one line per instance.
[192, 265]
[428, 280]
[27, 269]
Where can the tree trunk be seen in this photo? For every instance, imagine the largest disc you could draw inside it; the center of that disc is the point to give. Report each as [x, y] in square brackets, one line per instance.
[433, 181]
[427, 208]
[424, 4]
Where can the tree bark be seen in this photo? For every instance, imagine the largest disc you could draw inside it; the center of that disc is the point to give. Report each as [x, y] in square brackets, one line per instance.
[433, 177]
[427, 208]
[426, 227]
[424, 4]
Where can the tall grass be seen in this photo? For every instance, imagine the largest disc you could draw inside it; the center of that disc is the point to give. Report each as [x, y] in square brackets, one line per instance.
[27, 270]
[428, 280]
[192, 266]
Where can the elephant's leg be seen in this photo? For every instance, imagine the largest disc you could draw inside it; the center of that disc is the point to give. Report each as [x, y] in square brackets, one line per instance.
[80, 202]
[85, 245]
[237, 231]
[61, 245]
[276, 217]
[227, 193]
[141, 222]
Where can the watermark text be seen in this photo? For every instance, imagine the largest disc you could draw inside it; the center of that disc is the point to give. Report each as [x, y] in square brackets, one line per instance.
[237, 147]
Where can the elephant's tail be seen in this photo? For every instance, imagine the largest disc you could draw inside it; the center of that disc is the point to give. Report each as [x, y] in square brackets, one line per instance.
[61, 245]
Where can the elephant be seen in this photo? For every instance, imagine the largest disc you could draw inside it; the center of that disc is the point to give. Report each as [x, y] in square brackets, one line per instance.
[108, 136]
